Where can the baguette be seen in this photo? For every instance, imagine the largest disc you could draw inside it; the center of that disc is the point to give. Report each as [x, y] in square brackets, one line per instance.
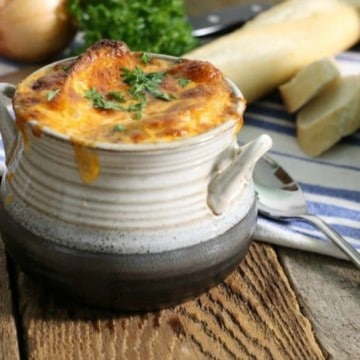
[331, 115]
[307, 83]
[274, 46]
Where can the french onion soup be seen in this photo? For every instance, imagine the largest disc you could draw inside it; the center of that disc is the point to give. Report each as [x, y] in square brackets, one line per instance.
[112, 95]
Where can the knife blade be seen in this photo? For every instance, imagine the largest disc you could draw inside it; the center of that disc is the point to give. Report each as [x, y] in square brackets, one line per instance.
[226, 19]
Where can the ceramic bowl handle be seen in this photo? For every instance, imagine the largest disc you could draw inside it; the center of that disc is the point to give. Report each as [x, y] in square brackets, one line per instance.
[228, 184]
[7, 125]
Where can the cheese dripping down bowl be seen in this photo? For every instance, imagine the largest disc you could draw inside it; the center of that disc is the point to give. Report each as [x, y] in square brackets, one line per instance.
[125, 186]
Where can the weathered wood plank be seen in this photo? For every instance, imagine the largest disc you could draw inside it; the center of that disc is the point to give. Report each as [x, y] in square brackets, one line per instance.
[8, 337]
[329, 293]
[253, 314]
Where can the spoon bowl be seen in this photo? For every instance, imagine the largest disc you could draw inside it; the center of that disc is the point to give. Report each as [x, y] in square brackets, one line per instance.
[280, 197]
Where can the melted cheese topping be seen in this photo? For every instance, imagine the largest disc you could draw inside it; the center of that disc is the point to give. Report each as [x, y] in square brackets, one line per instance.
[57, 97]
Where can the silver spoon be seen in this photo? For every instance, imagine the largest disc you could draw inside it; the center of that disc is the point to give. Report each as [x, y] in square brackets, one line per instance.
[280, 197]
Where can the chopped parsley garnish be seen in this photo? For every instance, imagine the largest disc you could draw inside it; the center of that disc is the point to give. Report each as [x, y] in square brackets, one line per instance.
[183, 82]
[119, 127]
[51, 94]
[99, 101]
[145, 58]
[66, 67]
[140, 82]
[117, 95]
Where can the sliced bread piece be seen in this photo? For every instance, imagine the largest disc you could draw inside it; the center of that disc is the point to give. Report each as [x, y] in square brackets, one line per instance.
[276, 44]
[307, 83]
[331, 115]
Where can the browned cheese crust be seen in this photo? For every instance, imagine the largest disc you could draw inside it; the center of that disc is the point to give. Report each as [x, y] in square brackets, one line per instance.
[91, 100]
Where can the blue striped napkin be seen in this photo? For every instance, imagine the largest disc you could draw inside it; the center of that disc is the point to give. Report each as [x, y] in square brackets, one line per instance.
[331, 182]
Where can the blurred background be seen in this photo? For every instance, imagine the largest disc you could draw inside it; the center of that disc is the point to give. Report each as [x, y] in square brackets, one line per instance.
[200, 7]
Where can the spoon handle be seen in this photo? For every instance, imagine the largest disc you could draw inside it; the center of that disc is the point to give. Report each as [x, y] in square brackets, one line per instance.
[335, 237]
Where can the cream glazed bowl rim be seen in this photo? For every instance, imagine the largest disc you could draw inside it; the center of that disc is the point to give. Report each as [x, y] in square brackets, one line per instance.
[157, 146]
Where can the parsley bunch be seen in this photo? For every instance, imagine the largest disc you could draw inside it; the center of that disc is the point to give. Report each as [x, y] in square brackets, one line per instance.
[157, 26]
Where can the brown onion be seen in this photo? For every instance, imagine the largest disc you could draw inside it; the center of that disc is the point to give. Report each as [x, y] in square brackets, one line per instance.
[33, 31]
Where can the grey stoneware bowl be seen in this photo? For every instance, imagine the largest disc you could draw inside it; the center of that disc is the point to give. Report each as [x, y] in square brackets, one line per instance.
[159, 224]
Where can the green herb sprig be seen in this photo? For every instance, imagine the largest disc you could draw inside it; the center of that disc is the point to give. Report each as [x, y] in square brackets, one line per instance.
[51, 94]
[141, 83]
[183, 82]
[151, 25]
[145, 58]
[99, 101]
[119, 128]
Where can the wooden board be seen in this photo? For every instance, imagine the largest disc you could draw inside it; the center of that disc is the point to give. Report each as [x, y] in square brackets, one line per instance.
[8, 336]
[253, 314]
[329, 293]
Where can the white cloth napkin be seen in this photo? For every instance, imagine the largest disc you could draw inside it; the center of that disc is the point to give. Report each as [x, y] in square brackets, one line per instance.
[331, 182]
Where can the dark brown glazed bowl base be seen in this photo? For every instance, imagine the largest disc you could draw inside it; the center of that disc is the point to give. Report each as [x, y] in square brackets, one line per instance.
[129, 282]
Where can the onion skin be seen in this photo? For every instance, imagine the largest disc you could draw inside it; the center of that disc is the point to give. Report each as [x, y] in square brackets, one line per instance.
[34, 31]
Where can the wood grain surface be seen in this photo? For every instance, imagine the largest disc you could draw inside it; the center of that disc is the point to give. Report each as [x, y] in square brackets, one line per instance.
[254, 314]
[8, 336]
[329, 293]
